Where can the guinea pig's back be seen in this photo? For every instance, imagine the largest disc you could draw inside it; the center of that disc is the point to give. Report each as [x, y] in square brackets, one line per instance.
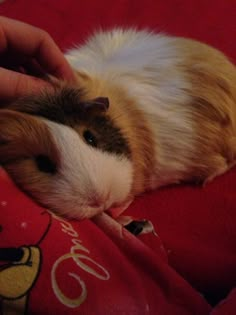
[144, 67]
[204, 121]
[123, 52]
[185, 90]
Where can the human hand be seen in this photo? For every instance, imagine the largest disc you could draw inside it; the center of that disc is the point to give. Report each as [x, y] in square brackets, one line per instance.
[27, 54]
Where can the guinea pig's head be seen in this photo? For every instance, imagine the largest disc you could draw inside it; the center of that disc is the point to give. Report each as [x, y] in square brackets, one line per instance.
[67, 154]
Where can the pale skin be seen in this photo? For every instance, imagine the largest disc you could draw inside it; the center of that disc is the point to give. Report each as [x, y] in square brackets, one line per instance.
[27, 56]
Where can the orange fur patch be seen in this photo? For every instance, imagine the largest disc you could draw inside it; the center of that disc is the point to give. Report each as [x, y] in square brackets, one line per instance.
[22, 138]
[213, 79]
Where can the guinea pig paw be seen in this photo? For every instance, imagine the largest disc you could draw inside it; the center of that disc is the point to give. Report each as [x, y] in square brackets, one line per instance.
[136, 226]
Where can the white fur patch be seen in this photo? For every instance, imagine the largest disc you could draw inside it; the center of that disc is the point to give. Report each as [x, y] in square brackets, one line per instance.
[88, 180]
[119, 52]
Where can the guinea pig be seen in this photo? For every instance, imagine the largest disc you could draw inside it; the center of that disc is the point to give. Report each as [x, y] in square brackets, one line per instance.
[148, 110]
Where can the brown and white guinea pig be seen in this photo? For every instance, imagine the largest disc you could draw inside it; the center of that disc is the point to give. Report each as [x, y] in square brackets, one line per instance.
[148, 110]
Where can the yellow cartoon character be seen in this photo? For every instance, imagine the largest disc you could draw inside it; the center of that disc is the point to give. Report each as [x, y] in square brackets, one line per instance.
[17, 277]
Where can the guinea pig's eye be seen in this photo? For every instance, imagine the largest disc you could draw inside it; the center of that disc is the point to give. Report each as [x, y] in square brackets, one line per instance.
[90, 138]
[45, 165]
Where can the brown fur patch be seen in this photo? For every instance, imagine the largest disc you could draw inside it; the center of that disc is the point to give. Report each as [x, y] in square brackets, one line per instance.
[213, 80]
[68, 106]
[22, 139]
[23, 136]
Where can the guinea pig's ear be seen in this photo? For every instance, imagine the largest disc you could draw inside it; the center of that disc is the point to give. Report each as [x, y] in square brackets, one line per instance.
[97, 105]
[23, 136]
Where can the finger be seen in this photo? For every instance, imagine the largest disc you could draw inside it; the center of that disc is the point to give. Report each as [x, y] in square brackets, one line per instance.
[35, 43]
[15, 84]
[32, 67]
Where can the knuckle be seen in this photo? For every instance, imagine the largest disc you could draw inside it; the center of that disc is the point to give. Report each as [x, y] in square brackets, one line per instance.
[45, 35]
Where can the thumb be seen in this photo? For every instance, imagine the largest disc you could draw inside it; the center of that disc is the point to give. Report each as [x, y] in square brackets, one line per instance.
[14, 84]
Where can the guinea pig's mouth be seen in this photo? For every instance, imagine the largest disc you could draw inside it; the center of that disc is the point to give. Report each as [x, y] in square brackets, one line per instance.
[85, 212]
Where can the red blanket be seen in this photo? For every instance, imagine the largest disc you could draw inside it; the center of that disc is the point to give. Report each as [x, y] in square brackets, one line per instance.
[53, 266]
